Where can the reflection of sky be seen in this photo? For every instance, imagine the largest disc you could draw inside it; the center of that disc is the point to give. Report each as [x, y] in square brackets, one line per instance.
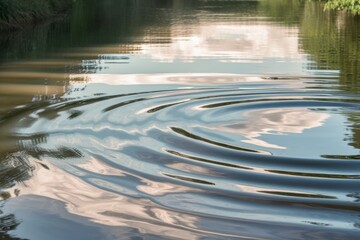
[327, 139]
[236, 41]
[226, 48]
[105, 207]
[276, 121]
[293, 132]
[208, 53]
[145, 64]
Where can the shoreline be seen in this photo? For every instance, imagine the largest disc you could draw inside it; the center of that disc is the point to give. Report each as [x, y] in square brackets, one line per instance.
[17, 14]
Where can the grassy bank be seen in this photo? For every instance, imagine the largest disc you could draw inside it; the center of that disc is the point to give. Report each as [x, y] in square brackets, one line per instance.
[17, 13]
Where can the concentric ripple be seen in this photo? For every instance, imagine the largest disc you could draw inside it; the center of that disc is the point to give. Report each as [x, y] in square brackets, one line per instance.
[227, 161]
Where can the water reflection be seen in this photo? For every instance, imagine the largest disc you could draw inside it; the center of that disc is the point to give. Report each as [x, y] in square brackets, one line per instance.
[236, 41]
[106, 207]
[275, 121]
[7, 223]
[338, 29]
[114, 170]
[200, 119]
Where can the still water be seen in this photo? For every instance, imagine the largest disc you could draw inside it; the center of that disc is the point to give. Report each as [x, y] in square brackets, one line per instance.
[182, 119]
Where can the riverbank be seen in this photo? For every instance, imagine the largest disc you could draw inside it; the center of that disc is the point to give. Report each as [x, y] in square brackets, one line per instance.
[18, 13]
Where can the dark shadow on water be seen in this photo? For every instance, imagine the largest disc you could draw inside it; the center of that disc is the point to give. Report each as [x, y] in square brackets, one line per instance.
[8, 223]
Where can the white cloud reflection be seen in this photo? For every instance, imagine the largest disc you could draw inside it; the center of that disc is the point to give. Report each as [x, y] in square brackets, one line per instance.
[108, 208]
[276, 122]
[207, 50]
[227, 40]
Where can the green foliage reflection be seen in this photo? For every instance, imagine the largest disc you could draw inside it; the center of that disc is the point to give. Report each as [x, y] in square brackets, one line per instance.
[330, 38]
[352, 6]
[333, 41]
[15, 13]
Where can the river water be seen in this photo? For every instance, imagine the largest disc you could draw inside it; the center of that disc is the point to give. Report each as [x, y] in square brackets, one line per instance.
[182, 119]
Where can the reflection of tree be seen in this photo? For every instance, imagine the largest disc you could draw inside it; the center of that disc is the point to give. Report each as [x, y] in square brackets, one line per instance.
[284, 11]
[13, 168]
[108, 21]
[355, 138]
[355, 196]
[332, 39]
[8, 223]
[16, 168]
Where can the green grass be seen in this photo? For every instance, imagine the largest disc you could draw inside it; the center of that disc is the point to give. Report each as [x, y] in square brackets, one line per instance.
[17, 13]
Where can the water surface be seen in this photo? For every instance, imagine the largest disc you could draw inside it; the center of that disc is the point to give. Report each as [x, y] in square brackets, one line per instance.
[182, 120]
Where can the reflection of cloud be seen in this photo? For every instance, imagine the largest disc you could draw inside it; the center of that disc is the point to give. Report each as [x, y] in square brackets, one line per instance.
[275, 121]
[199, 54]
[160, 188]
[106, 207]
[173, 78]
[241, 40]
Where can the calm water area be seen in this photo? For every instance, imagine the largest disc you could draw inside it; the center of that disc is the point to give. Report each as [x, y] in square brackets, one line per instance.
[182, 119]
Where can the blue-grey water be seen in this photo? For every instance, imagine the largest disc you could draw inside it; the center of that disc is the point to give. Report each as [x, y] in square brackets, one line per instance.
[182, 119]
